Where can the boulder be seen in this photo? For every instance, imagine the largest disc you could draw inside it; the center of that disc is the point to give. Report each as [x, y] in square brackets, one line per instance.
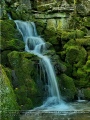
[10, 36]
[68, 89]
[75, 55]
[25, 79]
[8, 98]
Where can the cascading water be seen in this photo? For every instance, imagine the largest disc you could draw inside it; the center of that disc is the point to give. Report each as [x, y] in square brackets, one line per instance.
[36, 45]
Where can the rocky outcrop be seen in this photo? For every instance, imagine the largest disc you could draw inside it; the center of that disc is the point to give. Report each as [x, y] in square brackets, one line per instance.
[25, 78]
[8, 98]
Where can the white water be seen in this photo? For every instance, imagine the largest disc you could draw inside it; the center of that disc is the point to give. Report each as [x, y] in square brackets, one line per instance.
[36, 45]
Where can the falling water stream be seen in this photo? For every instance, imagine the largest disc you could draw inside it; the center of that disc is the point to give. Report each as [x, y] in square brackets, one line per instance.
[35, 44]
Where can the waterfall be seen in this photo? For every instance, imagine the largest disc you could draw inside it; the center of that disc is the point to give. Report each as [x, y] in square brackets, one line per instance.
[35, 44]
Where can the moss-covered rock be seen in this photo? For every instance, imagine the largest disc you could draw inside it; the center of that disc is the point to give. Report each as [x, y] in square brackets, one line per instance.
[7, 29]
[68, 87]
[65, 35]
[45, 5]
[68, 35]
[40, 25]
[50, 32]
[87, 93]
[51, 27]
[75, 55]
[10, 36]
[62, 24]
[87, 21]
[8, 99]
[25, 75]
[87, 66]
[4, 58]
[83, 41]
[14, 44]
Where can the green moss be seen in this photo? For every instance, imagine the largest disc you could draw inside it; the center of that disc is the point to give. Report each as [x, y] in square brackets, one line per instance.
[81, 73]
[40, 25]
[72, 54]
[69, 69]
[8, 73]
[88, 57]
[4, 58]
[75, 21]
[71, 42]
[50, 28]
[15, 44]
[86, 21]
[22, 97]
[82, 57]
[15, 15]
[53, 40]
[7, 29]
[83, 41]
[67, 35]
[82, 82]
[87, 93]
[76, 54]
[10, 36]
[87, 66]
[69, 89]
[8, 99]
[79, 34]
[25, 72]
[42, 7]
